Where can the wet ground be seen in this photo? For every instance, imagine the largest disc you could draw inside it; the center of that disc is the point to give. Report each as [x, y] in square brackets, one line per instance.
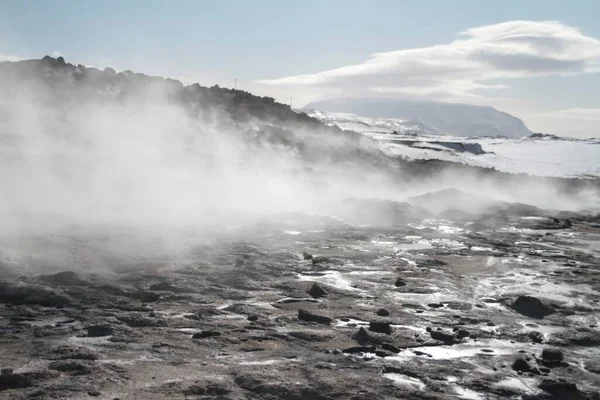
[308, 307]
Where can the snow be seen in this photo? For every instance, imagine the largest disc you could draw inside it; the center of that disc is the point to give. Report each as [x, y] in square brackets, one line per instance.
[539, 156]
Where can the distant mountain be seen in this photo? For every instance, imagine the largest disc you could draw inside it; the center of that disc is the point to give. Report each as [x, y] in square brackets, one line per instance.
[432, 117]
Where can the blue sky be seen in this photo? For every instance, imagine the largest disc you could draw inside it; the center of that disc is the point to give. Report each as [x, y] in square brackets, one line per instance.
[302, 49]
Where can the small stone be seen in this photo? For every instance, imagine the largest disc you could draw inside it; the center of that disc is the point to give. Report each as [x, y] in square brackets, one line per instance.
[94, 393]
[304, 315]
[463, 333]
[252, 318]
[491, 324]
[532, 307]
[337, 351]
[382, 312]
[428, 329]
[205, 334]
[400, 282]
[316, 291]
[307, 256]
[380, 327]
[536, 337]
[390, 347]
[550, 354]
[447, 338]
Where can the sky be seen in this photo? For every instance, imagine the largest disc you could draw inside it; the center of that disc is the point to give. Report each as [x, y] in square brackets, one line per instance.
[538, 59]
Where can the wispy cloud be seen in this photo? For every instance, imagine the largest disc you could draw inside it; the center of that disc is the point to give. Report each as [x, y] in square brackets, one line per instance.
[514, 49]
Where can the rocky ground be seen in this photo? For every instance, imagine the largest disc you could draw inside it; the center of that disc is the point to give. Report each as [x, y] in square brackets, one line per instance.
[305, 307]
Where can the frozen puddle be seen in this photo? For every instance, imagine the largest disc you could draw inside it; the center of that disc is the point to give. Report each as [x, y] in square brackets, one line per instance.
[465, 350]
[332, 278]
[405, 380]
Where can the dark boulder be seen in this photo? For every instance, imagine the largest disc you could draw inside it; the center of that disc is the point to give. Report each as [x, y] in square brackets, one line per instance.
[307, 256]
[536, 337]
[380, 327]
[360, 349]
[99, 330]
[390, 347]
[521, 365]
[304, 315]
[561, 390]
[382, 312]
[400, 282]
[531, 307]
[205, 334]
[553, 355]
[447, 338]
[316, 291]
[24, 293]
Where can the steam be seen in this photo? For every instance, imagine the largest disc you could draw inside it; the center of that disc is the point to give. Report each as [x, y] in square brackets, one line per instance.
[74, 158]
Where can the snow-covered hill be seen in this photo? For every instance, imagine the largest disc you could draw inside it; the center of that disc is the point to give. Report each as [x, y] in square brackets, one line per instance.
[431, 117]
[540, 155]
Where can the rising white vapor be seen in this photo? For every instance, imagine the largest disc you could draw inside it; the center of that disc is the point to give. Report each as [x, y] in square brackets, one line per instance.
[514, 49]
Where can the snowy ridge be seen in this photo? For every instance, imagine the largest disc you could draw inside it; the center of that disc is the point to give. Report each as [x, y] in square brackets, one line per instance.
[537, 155]
[433, 117]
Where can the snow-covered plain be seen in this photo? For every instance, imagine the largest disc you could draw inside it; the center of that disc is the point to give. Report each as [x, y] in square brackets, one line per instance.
[535, 156]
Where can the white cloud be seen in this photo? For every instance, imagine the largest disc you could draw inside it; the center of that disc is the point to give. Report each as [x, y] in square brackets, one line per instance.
[9, 58]
[514, 49]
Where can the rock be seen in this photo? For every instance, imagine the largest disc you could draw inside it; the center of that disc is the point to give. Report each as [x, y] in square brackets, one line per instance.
[390, 347]
[521, 365]
[252, 318]
[307, 256]
[383, 353]
[365, 337]
[553, 355]
[400, 282]
[316, 291]
[360, 349]
[137, 320]
[380, 327]
[447, 338]
[319, 260]
[382, 312]
[99, 330]
[435, 305]
[65, 278]
[24, 293]
[532, 307]
[536, 337]
[205, 334]
[311, 336]
[94, 393]
[459, 305]
[561, 390]
[14, 381]
[66, 352]
[72, 367]
[462, 333]
[304, 315]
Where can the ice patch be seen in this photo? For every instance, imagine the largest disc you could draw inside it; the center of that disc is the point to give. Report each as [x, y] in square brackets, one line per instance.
[405, 380]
